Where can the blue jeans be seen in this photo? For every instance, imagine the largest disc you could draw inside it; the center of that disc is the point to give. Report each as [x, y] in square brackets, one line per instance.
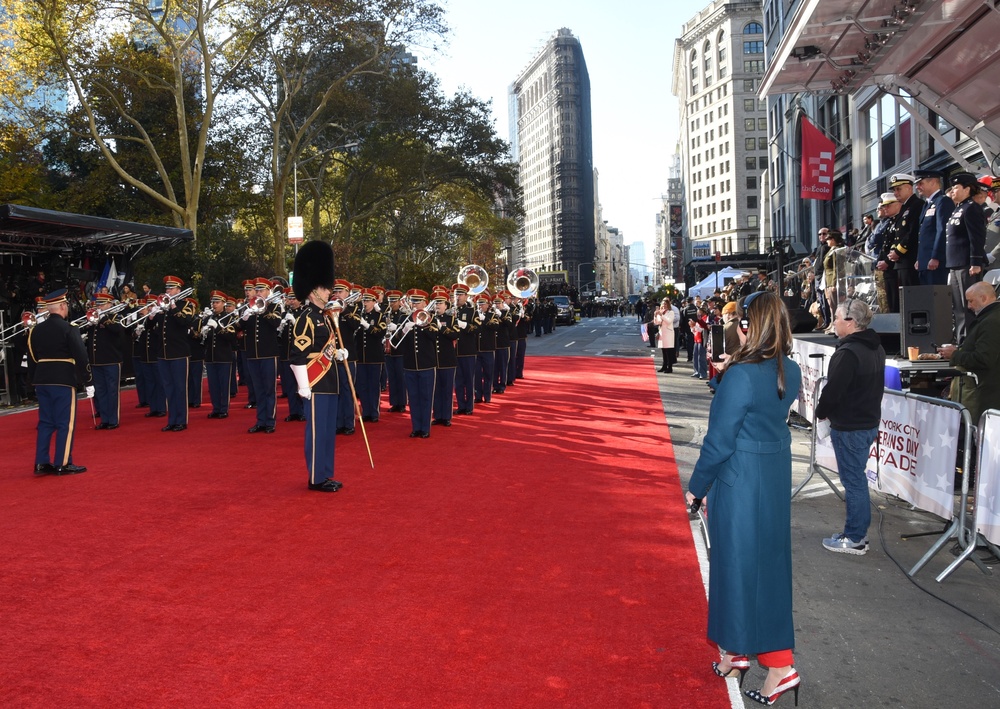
[851, 449]
[700, 361]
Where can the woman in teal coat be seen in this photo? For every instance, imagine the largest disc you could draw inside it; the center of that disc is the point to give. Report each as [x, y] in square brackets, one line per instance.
[745, 469]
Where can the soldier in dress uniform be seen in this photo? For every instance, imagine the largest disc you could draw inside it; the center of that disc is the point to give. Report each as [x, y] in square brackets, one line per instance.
[228, 311]
[142, 385]
[381, 307]
[418, 345]
[219, 341]
[170, 327]
[196, 370]
[966, 248]
[249, 294]
[467, 349]
[522, 326]
[447, 356]
[289, 390]
[931, 269]
[396, 317]
[260, 334]
[906, 230]
[371, 355]
[486, 346]
[104, 349]
[348, 323]
[315, 362]
[145, 348]
[501, 355]
[57, 364]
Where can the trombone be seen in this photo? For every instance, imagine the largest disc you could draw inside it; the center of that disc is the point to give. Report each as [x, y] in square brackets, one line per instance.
[94, 315]
[28, 321]
[162, 303]
[475, 278]
[420, 318]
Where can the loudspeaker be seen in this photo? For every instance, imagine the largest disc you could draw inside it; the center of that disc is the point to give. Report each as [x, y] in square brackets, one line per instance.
[926, 317]
[887, 327]
[801, 321]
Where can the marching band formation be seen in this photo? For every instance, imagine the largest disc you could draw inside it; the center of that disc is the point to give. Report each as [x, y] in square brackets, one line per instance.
[331, 345]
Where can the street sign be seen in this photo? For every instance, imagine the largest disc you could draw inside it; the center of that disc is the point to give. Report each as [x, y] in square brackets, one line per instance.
[295, 231]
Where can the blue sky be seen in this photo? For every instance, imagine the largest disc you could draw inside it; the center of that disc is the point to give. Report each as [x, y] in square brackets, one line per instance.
[629, 49]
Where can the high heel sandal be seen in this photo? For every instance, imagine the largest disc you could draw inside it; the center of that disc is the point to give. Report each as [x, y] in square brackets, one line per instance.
[789, 681]
[740, 663]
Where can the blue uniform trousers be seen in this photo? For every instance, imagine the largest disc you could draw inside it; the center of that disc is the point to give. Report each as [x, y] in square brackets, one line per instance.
[142, 384]
[501, 359]
[263, 375]
[233, 387]
[290, 389]
[937, 277]
[195, 375]
[219, 374]
[397, 384]
[520, 349]
[465, 382]
[56, 415]
[174, 375]
[106, 381]
[444, 393]
[345, 415]
[245, 378]
[484, 376]
[420, 391]
[321, 435]
[369, 389]
[155, 396]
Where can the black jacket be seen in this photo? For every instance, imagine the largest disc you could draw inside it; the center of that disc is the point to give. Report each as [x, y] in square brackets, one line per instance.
[852, 397]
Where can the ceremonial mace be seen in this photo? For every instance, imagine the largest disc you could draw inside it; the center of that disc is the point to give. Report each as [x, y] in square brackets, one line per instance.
[350, 380]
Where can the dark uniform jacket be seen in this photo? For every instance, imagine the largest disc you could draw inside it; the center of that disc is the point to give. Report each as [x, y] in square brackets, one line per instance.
[906, 232]
[369, 341]
[104, 341]
[468, 337]
[447, 337]
[349, 324]
[398, 318]
[56, 354]
[285, 333]
[522, 322]
[488, 331]
[170, 331]
[219, 342]
[933, 226]
[967, 236]
[311, 332]
[260, 333]
[503, 328]
[419, 347]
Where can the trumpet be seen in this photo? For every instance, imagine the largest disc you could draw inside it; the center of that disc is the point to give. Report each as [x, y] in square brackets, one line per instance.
[475, 278]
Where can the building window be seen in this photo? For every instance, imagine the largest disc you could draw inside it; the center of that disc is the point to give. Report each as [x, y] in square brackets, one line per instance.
[749, 105]
[748, 85]
[694, 71]
[751, 182]
[751, 163]
[761, 143]
[751, 143]
[752, 201]
[753, 28]
[707, 59]
[762, 124]
[753, 66]
[888, 139]
[756, 47]
[748, 124]
[752, 221]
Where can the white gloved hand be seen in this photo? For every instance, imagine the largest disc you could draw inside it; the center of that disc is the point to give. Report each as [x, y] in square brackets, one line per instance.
[377, 309]
[365, 324]
[461, 324]
[341, 355]
[139, 329]
[408, 326]
[290, 317]
[480, 317]
[246, 314]
[90, 392]
[439, 323]
[83, 336]
[302, 380]
[391, 327]
[212, 323]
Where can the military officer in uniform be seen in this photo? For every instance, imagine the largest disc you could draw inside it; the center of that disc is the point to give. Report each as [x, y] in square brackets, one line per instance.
[396, 317]
[371, 355]
[381, 307]
[315, 361]
[171, 325]
[196, 368]
[145, 348]
[447, 357]
[228, 312]
[418, 345]
[966, 247]
[289, 389]
[501, 355]
[57, 364]
[348, 323]
[467, 348]
[219, 341]
[931, 269]
[906, 230]
[522, 326]
[259, 324]
[241, 347]
[104, 349]
[486, 346]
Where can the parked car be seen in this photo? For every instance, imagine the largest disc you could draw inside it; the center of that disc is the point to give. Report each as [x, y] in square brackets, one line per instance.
[565, 313]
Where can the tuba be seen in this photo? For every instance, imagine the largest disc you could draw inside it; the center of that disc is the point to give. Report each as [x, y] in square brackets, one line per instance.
[474, 278]
[522, 283]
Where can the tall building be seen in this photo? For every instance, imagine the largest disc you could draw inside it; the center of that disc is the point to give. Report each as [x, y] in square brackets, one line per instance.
[552, 143]
[718, 64]
[671, 245]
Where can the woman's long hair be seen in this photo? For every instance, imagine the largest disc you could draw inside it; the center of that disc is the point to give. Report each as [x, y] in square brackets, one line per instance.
[769, 335]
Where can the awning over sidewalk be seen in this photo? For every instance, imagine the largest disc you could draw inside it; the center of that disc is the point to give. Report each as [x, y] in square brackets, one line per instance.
[33, 230]
[945, 54]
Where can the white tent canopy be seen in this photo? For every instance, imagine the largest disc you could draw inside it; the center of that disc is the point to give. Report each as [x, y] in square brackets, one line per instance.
[719, 279]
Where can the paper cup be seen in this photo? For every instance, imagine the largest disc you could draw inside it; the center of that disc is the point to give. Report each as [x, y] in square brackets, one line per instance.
[914, 353]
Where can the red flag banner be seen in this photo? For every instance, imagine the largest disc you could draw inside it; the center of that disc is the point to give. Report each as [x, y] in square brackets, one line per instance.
[817, 163]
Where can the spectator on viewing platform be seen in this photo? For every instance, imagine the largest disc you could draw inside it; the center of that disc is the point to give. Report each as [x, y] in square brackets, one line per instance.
[745, 469]
[888, 210]
[978, 357]
[852, 402]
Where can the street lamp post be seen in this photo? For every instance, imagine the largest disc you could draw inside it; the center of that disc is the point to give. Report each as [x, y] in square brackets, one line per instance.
[579, 276]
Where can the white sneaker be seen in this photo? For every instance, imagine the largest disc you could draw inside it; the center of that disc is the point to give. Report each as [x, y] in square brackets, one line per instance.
[842, 544]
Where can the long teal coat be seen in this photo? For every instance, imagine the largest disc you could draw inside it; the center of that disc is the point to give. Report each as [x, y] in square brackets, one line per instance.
[746, 460]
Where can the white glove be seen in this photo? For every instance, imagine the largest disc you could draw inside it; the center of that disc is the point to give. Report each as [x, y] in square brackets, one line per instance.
[461, 324]
[480, 317]
[391, 327]
[246, 314]
[341, 355]
[408, 326]
[139, 329]
[212, 323]
[83, 336]
[377, 309]
[290, 317]
[302, 380]
[155, 310]
[439, 323]
[90, 392]
[365, 324]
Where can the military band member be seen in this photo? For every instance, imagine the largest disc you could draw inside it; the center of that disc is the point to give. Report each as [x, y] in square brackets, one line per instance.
[289, 389]
[501, 356]
[196, 370]
[241, 347]
[170, 326]
[104, 340]
[315, 362]
[467, 348]
[371, 355]
[259, 324]
[522, 326]
[145, 347]
[396, 317]
[228, 311]
[142, 384]
[418, 345]
[447, 357]
[348, 322]
[57, 364]
[219, 341]
[382, 307]
[487, 343]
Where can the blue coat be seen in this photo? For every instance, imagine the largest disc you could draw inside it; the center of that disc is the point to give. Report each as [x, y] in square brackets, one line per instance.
[746, 460]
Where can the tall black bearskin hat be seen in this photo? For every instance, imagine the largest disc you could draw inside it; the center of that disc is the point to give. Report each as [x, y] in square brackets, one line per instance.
[313, 267]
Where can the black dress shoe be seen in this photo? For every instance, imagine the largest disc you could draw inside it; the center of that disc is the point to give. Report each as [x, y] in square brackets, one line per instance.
[213, 415]
[45, 469]
[70, 470]
[194, 406]
[155, 414]
[250, 406]
[101, 427]
[445, 422]
[464, 412]
[168, 427]
[111, 426]
[255, 429]
[268, 429]
[328, 485]
[142, 405]
[224, 415]
[348, 431]
[423, 434]
[414, 434]
[180, 427]
[340, 431]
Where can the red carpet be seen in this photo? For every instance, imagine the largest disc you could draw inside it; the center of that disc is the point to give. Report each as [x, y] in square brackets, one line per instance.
[536, 554]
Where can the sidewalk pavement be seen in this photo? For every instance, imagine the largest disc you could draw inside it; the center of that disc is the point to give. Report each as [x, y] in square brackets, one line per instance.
[866, 634]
